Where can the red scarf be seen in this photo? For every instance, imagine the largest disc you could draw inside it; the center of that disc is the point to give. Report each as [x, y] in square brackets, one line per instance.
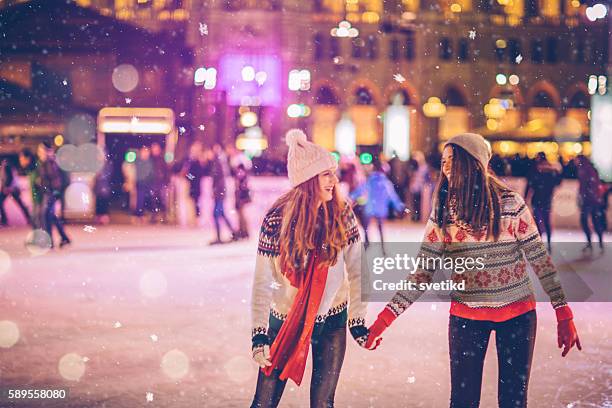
[289, 350]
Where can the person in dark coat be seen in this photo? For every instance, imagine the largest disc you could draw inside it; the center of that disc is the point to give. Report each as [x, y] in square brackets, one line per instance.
[29, 164]
[103, 191]
[541, 182]
[51, 185]
[10, 188]
[591, 200]
[160, 180]
[193, 169]
[242, 196]
[218, 171]
[144, 182]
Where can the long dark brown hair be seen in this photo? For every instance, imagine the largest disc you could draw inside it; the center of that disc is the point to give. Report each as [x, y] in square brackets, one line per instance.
[304, 226]
[477, 193]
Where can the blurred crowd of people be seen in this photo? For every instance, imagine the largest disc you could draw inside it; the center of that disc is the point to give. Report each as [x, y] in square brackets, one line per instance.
[388, 189]
[380, 190]
[147, 181]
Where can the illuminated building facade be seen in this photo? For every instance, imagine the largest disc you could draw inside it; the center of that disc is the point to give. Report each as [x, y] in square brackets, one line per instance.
[400, 75]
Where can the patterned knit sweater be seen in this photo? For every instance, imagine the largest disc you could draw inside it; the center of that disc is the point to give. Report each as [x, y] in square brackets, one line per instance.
[504, 280]
[273, 294]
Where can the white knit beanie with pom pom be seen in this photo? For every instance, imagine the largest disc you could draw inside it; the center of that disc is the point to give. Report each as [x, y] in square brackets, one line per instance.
[305, 159]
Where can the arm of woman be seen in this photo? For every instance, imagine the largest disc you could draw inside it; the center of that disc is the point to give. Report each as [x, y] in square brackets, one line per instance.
[260, 309]
[263, 285]
[432, 246]
[526, 232]
[357, 309]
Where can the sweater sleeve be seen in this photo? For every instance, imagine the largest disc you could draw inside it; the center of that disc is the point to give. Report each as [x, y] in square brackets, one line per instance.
[526, 232]
[268, 249]
[432, 246]
[261, 298]
[352, 259]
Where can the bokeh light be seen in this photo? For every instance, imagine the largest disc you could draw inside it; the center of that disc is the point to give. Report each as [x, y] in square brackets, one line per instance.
[67, 157]
[81, 128]
[38, 242]
[9, 334]
[153, 284]
[71, 366]
[125, 78]
[175, 364]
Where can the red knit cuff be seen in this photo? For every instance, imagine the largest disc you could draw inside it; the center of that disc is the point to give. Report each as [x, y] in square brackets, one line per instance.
[564, 313]
[387, 316]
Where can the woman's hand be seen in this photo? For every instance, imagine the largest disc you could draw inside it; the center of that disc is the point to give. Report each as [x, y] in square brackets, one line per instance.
[384, 320]
[567, 336]
[261, 355]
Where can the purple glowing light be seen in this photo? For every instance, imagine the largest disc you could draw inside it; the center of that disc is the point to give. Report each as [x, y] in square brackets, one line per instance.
[267, 92]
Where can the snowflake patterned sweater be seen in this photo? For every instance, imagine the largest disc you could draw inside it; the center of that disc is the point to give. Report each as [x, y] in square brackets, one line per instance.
[273, 294]
[502, 289]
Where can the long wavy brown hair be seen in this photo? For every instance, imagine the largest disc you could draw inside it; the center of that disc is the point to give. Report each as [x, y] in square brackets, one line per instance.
[477, 192]
[306, 227]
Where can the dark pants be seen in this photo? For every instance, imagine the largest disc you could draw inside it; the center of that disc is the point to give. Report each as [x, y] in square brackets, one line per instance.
[16, 194]
[597, 217]
[328, 349]
[144, 199]
[542, 219]
[196, 202]
[219, 213]
[51, 218]
[468, 341]
[416, 206]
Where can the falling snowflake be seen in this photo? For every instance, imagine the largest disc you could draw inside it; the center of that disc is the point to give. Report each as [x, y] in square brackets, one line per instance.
[154, 337]
[65, 82]
[85, 359]
[190, 176]
[472, 34]
[411, 380]
[203, 29]
[134, 120]
[182, 130]
[117, 325]
[201, 127]
[519, 58]
[399, 78]
[128, 100]
[434, 306]
[149, 397]
[182, 114]
[89, 228]
[275, 285]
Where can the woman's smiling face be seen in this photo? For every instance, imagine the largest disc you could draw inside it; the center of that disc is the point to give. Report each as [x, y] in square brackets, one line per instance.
[327, 183]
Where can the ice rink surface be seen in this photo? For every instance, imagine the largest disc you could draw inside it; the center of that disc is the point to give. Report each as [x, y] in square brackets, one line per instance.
[157, 317]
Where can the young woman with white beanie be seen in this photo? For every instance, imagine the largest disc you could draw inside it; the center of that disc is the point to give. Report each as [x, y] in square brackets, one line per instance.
[307, 284]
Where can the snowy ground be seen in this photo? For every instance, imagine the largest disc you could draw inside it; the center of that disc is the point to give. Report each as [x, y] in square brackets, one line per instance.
[123, 296]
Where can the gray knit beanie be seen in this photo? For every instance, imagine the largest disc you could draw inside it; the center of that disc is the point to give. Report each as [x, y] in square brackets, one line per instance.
[475, 145]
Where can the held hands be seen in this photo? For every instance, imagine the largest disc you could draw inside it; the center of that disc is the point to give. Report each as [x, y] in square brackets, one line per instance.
[361, 334]
[384, 320]
[567, 335]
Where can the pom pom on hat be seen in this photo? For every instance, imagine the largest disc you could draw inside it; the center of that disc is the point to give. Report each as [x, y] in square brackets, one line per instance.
[305, 159]
[295, 136]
